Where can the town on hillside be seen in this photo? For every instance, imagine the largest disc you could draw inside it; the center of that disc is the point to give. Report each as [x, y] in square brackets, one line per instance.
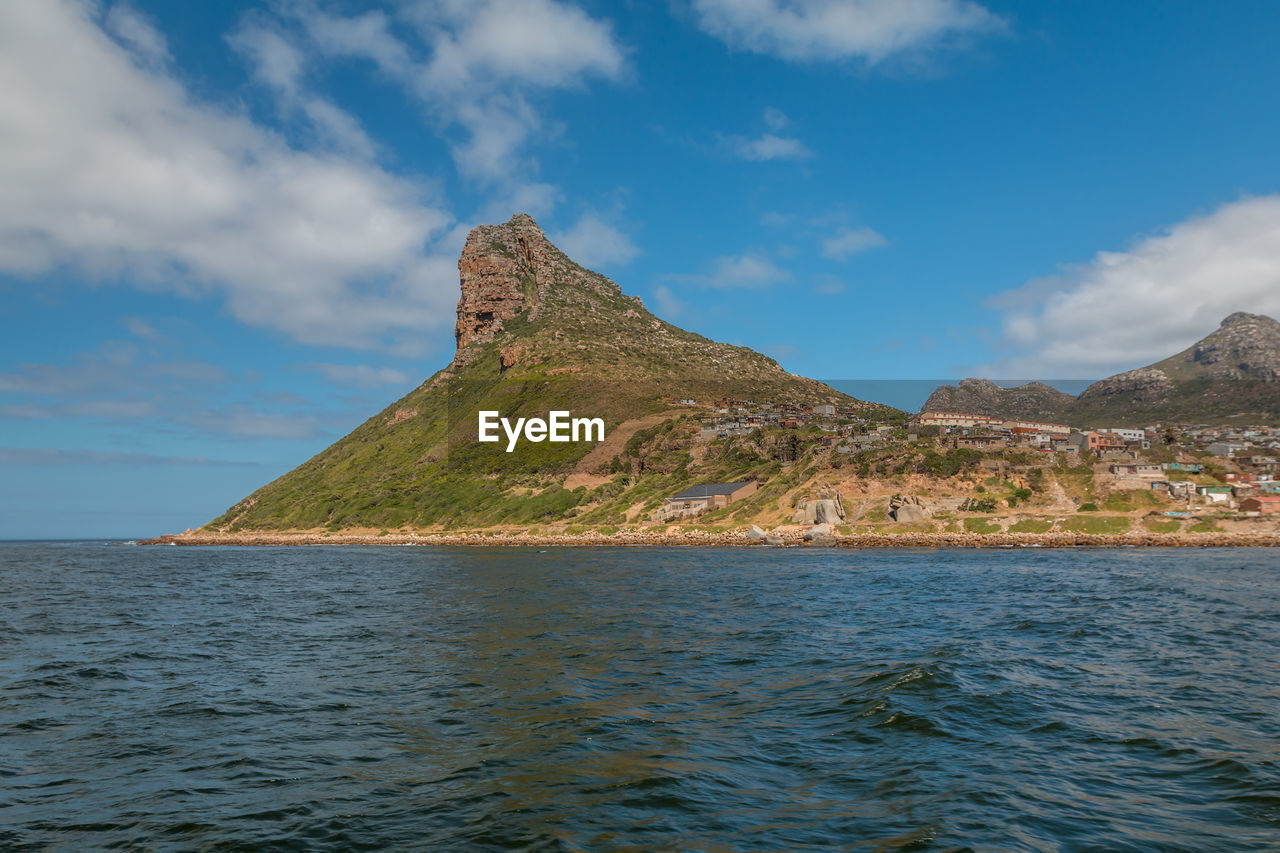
[1036, 476]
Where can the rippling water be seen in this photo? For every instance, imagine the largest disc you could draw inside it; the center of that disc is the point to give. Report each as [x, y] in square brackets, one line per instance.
[615, 699]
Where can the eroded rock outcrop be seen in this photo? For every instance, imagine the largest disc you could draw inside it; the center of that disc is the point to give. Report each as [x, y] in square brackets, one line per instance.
[505, 270]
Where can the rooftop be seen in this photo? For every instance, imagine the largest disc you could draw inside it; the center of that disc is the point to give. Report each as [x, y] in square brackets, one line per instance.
[708, 490]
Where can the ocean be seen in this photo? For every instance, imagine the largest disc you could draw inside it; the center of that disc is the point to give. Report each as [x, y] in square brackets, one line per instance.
[338, 698]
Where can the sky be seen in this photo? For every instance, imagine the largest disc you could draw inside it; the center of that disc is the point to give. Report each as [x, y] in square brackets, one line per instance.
[229, 231]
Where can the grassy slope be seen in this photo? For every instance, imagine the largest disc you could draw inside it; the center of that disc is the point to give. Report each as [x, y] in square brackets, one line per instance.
[593, 353]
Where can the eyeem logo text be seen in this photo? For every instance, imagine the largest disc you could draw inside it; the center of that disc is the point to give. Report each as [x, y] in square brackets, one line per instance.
[558, 427]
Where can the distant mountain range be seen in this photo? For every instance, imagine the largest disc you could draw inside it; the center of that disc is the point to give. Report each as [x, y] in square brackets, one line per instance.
[1231, 376]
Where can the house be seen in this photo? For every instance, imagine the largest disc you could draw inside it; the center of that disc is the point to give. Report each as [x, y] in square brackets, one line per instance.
[1136, 469]
[1180, 489]
[1225, 448]
[976, 442]
[1189, 467]
[824, 410]
[1215, 494]
[696, 499]
[1020, 427]
[1101, 442]
[955, 419]
[1261, 505]
[1126, 434]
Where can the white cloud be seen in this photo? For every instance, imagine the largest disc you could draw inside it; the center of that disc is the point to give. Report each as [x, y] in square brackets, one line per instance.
[244, 422]
[475, 67]
[775, 119]
[537, 42]
[44, 456]
[1126, 309]
[114, 368]
[110, 166]
[870, 30]
[137, 33]
[828, 285]
[746, 271]
[361, 375]
[140, 328]
[595, 243]
[771, 147]
[366, 36]
[847, 242]
[281, 66]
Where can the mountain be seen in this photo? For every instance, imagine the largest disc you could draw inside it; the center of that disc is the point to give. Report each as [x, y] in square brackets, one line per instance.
[1033, 401]
[1231, 376]
[535, 332]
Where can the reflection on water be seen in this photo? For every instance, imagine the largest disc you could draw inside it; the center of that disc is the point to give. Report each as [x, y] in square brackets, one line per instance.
[603, 699]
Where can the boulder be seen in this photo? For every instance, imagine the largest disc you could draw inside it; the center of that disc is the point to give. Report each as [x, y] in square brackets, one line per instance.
[908, 512]
[824, 511]
[907, 508]
[818, 531]
[756, 534]
[773, 539]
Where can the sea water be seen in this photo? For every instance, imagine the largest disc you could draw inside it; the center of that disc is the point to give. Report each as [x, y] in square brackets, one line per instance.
[638, 699]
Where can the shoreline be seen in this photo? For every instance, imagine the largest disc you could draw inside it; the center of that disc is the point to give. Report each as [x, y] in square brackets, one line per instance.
[734, 539]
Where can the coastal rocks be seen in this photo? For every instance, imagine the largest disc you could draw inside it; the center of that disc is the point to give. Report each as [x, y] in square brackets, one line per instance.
[907, 509]
[821, 511]
[819, 534]
[909, 512]
[676, 536]
[756, 534]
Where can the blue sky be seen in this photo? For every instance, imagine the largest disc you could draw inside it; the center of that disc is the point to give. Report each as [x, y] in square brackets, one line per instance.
[229, 231]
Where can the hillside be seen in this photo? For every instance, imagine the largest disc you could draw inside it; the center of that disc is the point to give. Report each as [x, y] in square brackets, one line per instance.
[1033, 401]
[535, 332]
[1230, 376]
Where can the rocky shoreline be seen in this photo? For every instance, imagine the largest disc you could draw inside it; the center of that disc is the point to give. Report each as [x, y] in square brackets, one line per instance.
[738, 538]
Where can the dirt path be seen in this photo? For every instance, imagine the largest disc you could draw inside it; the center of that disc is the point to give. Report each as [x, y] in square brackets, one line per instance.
[1060, 502]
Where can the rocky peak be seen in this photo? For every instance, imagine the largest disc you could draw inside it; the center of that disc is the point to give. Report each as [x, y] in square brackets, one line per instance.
[507, 269]
[1241, 317]
[1033, 400]
[1244, 346]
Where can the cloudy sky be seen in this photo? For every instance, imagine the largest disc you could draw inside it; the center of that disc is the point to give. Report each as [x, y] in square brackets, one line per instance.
[229, 231]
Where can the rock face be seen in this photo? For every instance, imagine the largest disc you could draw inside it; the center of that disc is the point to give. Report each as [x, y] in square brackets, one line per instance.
[1245, 346]
[506, 269]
